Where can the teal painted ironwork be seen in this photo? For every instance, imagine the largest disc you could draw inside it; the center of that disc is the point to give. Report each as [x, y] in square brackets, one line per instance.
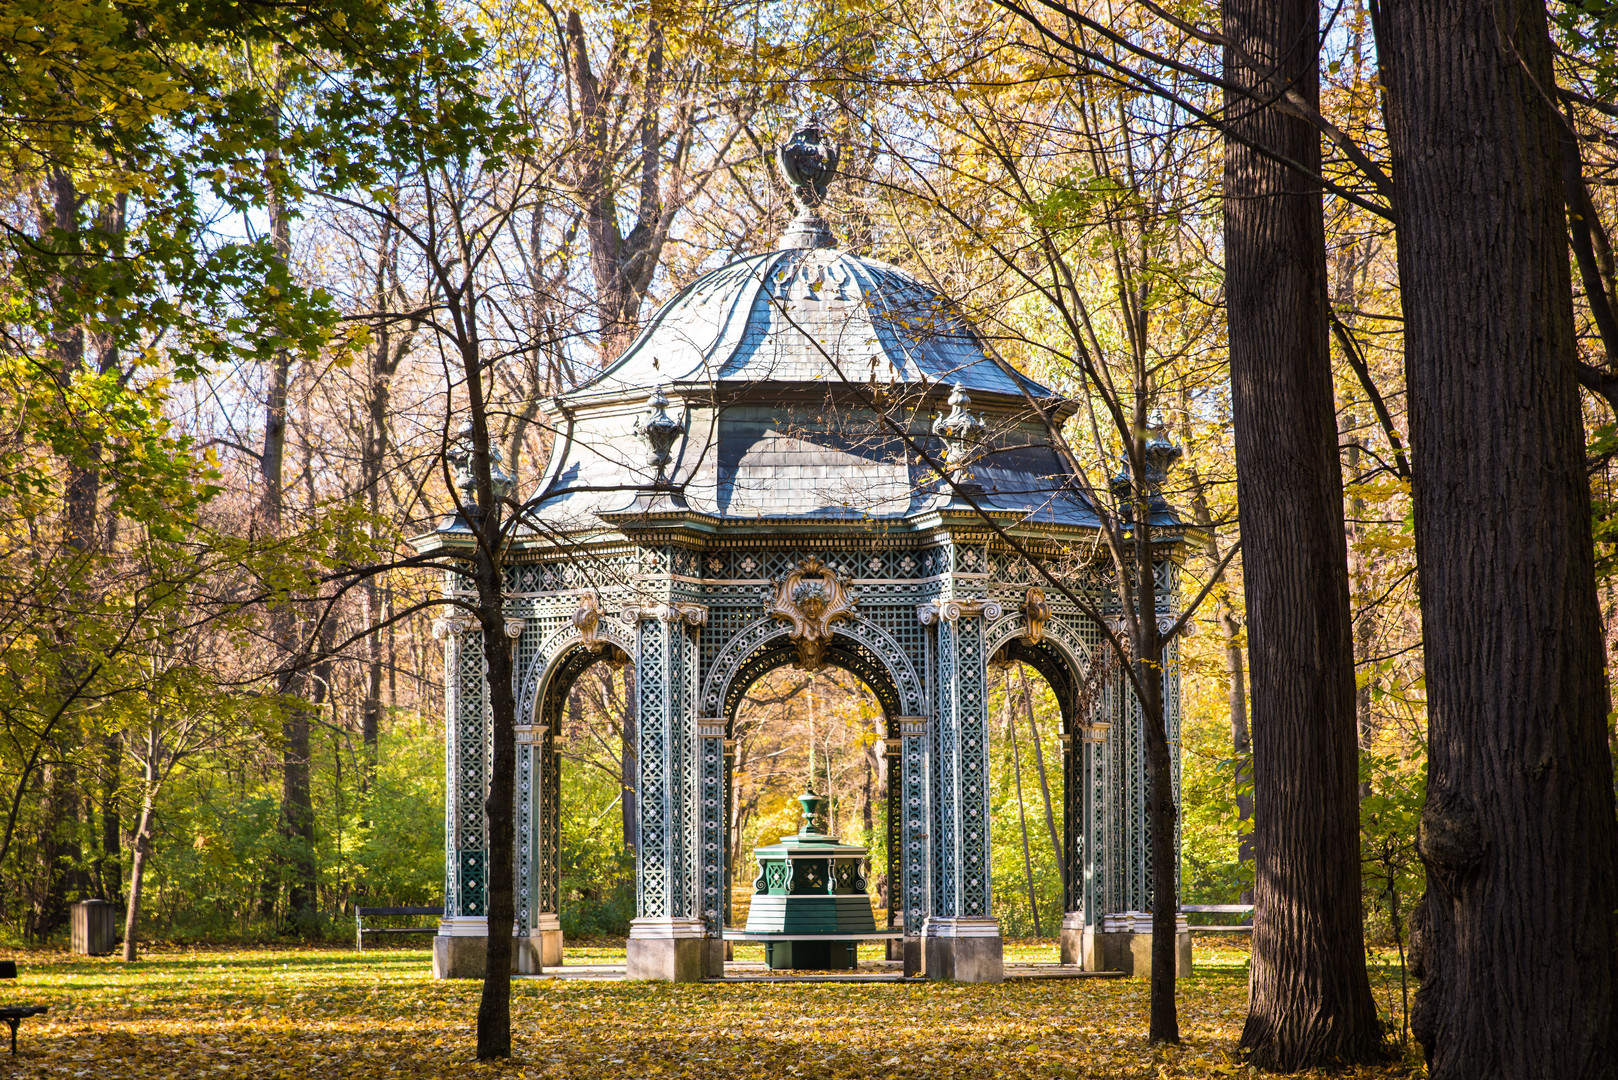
[748, 436]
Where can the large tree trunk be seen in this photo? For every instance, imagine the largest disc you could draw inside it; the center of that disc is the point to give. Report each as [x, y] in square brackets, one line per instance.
[1309, 999]
[487, 518]
[623, 264]
[1163, 822]
[297, 807]
[1519, 949]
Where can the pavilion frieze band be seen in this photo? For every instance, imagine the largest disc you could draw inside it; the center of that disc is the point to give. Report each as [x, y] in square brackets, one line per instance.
[791, 465]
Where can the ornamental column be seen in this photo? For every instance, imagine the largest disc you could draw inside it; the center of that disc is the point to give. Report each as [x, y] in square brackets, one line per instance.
[961, 937]
[713, 774]
[465, 918]
[909, 819]
[667, 938]
[1084, 824]
[1118, 934]
[459, 947]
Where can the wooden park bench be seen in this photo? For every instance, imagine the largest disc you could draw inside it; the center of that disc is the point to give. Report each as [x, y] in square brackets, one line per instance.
[361, 913]
[1219, 909]
[15, 1014]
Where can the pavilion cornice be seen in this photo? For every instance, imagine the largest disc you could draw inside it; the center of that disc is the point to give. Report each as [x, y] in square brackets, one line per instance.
[722, 393]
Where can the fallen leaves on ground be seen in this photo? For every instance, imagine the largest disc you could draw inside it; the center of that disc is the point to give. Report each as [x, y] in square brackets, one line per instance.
[291, 1014]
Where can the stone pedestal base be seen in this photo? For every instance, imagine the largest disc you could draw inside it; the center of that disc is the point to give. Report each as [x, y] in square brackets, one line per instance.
[1124, 943]
[460, 949]
[459, 957]
[669, 950]
[896, 946]
[549, 933]
[1072, 940]
[914, 957]
[963, 950]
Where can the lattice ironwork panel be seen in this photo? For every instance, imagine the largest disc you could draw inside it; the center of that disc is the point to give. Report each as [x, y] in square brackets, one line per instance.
[715, 848]
[893, 830]
[898, 620]
[452, 775]
[526, 848]
[1074, 847]
[946, 737]
[727, 617]
[652, 870]
[471, 778]
[683, 737]
[972, 770]
[914, 764]
[1129, 873]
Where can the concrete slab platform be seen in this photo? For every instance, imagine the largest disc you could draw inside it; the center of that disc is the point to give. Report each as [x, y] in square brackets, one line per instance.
[878, 971]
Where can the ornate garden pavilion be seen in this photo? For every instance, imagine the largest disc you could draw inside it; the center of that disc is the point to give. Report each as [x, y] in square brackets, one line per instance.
[741, 490]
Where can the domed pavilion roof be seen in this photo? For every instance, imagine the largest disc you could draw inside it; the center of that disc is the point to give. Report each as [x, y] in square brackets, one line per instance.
[801, 387]
[808, 316]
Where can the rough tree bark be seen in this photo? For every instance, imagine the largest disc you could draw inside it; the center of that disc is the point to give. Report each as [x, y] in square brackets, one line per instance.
[297, 806]
[1309, 999]
[1519, 941]
[494, 1006]
[623, 265]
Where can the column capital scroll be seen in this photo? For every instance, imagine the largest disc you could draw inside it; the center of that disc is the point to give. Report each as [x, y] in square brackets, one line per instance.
[451, 627]
[936, 611]
[690, 614]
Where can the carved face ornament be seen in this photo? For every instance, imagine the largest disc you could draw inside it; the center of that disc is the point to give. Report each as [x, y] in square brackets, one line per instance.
[587, 620]
[812, 597]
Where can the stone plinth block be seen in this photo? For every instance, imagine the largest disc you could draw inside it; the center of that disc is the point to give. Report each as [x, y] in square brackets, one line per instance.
[549, 932]
[460, 949]
[1124, 943]
[1072, 940]
[668, 950]
[963, 950]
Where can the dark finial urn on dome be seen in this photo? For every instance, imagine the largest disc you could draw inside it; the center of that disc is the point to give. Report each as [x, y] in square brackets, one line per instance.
[808, 162]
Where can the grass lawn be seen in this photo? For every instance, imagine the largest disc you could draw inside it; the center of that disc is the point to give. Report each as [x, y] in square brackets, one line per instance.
[296, 1013]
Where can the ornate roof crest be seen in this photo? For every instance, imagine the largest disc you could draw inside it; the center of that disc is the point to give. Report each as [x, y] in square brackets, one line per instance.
[808, 162]
[961, 431]
[811, 598]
